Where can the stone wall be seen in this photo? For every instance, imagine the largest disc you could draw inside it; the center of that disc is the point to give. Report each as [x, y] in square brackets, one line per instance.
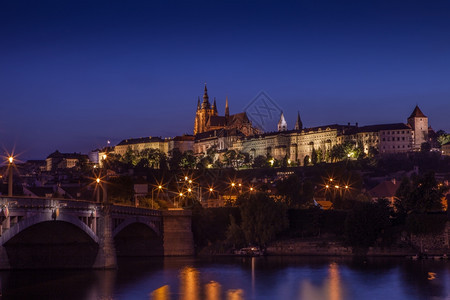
[178, 237]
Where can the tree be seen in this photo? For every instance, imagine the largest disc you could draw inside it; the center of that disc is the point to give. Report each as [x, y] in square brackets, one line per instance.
[188, 160]
[423, 194]
[314, 157]
[262, 218]
[229, 157]
[260, 162]
[425, 147]
[306, 160]
[175, 157]
[295, 192]
[366, 223]
[235, 235]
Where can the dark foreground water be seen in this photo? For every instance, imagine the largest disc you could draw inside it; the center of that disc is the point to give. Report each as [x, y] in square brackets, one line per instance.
[239, 278]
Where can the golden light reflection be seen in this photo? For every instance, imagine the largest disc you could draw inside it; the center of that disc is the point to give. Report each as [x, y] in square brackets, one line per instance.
[163, 293]
[190, 285]
[334, 287]
[235, 294]
[331, 288]
[213, 291]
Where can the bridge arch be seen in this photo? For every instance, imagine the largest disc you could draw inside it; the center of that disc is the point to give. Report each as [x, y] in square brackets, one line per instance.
[45, 217]
[129, 221]
[138, 237]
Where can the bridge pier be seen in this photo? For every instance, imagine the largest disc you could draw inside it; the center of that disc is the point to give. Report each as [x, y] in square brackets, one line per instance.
[178, 237]
[106, 256]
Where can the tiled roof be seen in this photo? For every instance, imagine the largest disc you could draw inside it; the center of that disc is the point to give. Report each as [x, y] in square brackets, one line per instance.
[384, 189]
[417, 113]
[141, 140]
[375, 128]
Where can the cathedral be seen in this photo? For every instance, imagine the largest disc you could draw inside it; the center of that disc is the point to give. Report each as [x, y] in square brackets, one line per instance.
[207, 118]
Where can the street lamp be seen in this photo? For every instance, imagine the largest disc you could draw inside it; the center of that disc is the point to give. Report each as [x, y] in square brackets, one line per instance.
[10, 176]
[159, 188]
[98, 188]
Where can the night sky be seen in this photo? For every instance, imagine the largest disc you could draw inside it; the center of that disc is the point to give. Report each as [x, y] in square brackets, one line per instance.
[74, 74]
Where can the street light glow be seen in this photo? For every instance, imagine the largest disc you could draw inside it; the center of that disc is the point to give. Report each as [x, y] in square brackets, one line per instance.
[11, 159]
[98, 180]
[159, 186]
[233, 184]
[189, 190]
[210, 189]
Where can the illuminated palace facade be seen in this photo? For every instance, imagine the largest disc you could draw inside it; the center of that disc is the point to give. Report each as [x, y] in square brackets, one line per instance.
[299, 143]
[217, 134]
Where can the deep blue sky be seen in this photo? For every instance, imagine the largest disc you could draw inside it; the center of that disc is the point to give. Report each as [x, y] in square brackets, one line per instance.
[74, 74]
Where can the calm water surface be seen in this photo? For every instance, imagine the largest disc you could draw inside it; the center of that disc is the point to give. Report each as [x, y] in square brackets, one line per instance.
[239, 278]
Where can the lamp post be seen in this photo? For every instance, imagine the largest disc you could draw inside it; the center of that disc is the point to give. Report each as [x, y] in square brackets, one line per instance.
[159, 188]
[98, 188]
[10, 176]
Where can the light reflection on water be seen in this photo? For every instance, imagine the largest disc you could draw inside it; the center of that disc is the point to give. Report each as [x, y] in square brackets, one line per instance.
[239, 278]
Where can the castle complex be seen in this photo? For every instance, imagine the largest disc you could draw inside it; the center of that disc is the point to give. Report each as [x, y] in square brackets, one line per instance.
[236, 132]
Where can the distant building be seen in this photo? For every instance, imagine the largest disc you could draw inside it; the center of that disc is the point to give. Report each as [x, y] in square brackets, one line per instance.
[140, 144]
[58, 160]
[446, 149]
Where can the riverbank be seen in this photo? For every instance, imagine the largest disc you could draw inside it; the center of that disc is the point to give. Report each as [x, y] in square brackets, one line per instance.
[320, 247]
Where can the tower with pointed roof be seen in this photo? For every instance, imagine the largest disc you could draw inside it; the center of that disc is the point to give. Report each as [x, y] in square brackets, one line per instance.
[282, 124]
[204, 112]
[227, 109]
[419, 125]
[298, 123]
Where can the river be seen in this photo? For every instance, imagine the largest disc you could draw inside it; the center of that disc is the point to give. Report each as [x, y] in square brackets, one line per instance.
[332, 278]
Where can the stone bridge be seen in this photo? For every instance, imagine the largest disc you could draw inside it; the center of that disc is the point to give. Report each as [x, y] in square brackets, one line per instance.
[60, 233]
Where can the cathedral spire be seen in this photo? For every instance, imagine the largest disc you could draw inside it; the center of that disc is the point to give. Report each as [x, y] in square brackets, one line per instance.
[227, 109]
[282, 124]
[214, 106]
[298, 123]
[205, 103]
[198, 103]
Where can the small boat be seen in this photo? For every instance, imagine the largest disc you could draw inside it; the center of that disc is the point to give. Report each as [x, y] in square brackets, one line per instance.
[249, 251]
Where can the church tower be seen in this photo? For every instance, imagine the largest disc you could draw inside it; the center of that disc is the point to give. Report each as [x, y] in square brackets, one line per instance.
[298, 123]
[204, 112]
[282, 125]
[419, 125]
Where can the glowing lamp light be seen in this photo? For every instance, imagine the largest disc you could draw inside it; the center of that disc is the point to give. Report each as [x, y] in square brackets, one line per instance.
[327, 186]
[240, 184]
[181, 194]
[189, 190]
[185, 178]
[11, 159]
[159, 186]
[251, 189]
[190, 181]
[336, 186]
[233, 184]
[98, 180]
[346, 186]
[210, 189]
[104, 156]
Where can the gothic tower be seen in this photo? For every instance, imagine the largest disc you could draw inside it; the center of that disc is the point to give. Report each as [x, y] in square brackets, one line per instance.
[204, 111]
[298, 123]
[419, 124]
[282, 124]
